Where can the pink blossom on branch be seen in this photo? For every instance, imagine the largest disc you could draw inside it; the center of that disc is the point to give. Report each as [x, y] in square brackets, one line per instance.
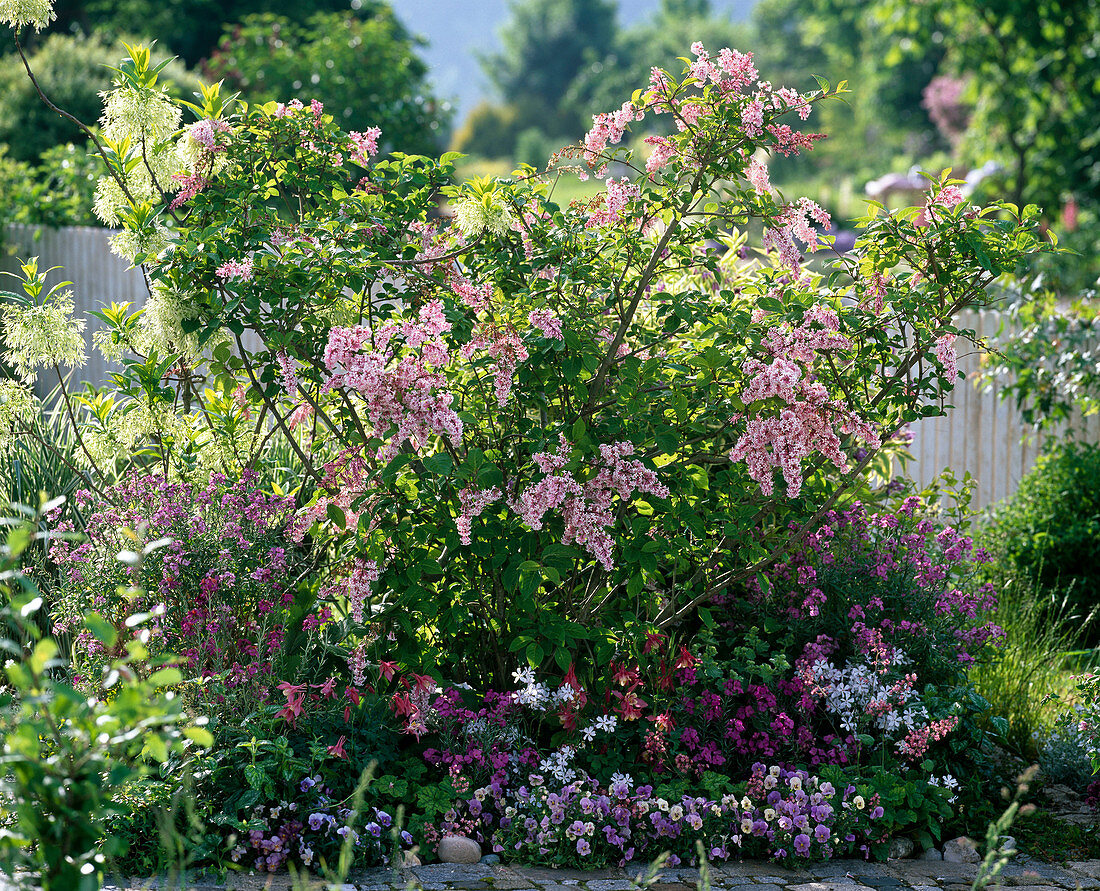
[473, 502]
[807, 420]
[615, 202]
[398, 383]
[235, 270]
[947, 356]
[547, 322]
[505, 348]
[757, 175]
[586, 509]
[365, 144]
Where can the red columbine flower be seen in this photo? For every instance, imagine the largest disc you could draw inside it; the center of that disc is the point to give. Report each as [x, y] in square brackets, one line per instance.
[295, 695]
[423, 682]
[328, 688]
[630, 705]
[402, 704]
[624, 676]
[352, 693]
[652, 641]
[686, 660]
[387, 670]
[664, 722]
[337, 750]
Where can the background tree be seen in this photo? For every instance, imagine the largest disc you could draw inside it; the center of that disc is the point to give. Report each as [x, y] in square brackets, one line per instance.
[363, 68]
[884, 126]
[651, 42]
[72, 72]
[544, 45]
[189, 28]
[1035, 85]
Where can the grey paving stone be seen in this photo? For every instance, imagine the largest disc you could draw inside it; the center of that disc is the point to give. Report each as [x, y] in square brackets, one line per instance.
[913, 872]
[760, 872]
[610, 885]
[1090, 868]
[507, 879]
[453, 873]
[635, 871]
[543, 875]
[831, 885]
[1056, 875]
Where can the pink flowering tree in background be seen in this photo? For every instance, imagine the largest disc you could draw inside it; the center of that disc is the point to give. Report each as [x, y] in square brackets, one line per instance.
[524, 433]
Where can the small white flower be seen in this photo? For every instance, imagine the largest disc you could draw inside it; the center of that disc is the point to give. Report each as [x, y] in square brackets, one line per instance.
[622, 779]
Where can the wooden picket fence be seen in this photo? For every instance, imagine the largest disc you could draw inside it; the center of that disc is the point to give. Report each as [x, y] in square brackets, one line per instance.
[981, 435]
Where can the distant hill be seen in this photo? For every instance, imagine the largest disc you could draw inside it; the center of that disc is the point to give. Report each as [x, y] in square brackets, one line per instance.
[457, 29]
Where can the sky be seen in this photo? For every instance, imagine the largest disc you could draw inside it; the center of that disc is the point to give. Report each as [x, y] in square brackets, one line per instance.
[457, 29]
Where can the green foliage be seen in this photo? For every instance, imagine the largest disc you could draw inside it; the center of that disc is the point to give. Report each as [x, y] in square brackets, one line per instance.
[912, 806]
[1048, 837]
[1030, 666]
[883, 126]
[363, 68]
[489, 131]
[42, 459]
[1033, 66]
[65, 754]
[1046, 362]
[72, 72]
[60, 190]
[602, 82]
[997, 853]
[1048, 532]
[189, 28]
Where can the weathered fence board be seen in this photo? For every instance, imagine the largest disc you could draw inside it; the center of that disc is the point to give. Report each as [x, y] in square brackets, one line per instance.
[982, 434]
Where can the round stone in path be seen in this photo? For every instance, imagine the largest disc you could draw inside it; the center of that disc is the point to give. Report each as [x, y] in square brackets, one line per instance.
[458, 849]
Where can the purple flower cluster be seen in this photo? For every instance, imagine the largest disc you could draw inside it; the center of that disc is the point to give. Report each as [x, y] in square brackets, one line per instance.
[212, 573]
[313, 830]
[783, 814]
